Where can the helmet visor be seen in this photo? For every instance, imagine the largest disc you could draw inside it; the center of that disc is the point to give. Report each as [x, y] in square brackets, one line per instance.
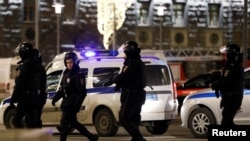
[223, 49]
[16, 50]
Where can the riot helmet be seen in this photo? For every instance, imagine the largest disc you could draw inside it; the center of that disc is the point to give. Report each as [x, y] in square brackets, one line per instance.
[71, 55]
[131, 49]
[233, 53]
[25, 50]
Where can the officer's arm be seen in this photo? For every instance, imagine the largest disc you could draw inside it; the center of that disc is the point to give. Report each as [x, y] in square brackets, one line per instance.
[58, 95]
[81, 91]
[15, 96]
[125, 76]
[43, 87]
[21, 78]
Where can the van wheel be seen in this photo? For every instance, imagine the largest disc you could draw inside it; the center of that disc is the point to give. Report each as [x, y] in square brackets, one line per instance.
[105, 123]
[199, 120]
[8, 119]
[158, 128]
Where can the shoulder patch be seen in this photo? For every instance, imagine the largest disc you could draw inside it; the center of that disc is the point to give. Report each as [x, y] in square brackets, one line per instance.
[226, 73]
[17, 72]
[125, 68]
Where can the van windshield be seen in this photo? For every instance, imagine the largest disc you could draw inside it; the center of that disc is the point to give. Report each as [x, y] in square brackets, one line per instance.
[157, 75]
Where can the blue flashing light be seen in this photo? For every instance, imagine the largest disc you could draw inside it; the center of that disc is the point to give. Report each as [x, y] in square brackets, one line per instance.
[113, 53]
[90, 53]
[98, 53]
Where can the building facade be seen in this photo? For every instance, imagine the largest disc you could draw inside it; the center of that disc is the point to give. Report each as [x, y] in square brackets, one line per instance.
[185, 25]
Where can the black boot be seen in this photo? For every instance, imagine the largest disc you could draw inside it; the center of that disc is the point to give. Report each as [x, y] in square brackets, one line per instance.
[138, 139]
[84, 131]
[94, 138]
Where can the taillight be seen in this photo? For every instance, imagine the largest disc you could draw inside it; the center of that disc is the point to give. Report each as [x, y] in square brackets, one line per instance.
[175, 90]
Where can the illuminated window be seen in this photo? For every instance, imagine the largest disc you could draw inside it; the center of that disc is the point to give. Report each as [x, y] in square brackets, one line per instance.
[178, 14]
[142, 14]
[213, 17]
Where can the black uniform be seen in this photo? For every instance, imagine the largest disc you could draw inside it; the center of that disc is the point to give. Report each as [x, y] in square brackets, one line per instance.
[73, 92]
[132, 81]
[27, 92]
[230, 86]
[43, 82]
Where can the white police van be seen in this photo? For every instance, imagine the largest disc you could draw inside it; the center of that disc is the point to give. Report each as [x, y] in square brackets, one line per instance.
[202, 108]
[101, 106]
[8, 74]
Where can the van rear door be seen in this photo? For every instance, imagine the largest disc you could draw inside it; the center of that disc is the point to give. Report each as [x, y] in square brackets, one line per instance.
[160, 100]
[5, 73]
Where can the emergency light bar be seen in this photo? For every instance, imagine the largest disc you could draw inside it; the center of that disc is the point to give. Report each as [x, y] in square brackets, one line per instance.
[98, 53]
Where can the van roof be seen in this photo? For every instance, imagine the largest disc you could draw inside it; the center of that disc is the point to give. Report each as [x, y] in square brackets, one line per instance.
[152, 56]
[144, 53]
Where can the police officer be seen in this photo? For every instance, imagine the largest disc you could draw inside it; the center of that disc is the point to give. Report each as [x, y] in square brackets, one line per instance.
[132, 81]
[73, 91]
[27, 87]
[230, 84]
[43, 93]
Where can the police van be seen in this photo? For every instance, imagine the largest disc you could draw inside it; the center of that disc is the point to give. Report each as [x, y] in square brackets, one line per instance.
[101, 106]
[8, 74]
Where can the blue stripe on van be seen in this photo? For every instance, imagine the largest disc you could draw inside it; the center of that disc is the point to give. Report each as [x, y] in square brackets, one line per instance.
[211, 94]
[107, 90]
[202, 95]
[100, 90]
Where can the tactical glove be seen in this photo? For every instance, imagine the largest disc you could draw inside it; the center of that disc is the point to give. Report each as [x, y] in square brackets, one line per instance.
[217, 93]
[12, 105]
[53, 102]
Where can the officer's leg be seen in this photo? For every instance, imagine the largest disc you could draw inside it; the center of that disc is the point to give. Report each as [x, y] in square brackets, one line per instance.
[32, 120]
[40, 123]
[18, 116]
[137, 116]
[234, 106]
[83, 130]
[32, 109]
[229, 111]
[136, 119]
[123, 116]
[39, 116]
[127, 115]
[65, 126]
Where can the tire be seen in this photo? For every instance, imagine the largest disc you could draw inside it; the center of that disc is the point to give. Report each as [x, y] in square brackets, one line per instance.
[199, 120]
[158, 128]
[8, 119]
[105, 123]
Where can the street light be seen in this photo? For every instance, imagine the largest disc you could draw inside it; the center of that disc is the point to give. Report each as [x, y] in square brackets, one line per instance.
[114, 26]
[58, 10]
[160, 12]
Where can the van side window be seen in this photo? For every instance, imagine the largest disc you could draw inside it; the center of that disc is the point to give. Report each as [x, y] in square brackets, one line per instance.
[53, 80]
[199, 81]
[85, 72]
[101, 75]
[160, 75]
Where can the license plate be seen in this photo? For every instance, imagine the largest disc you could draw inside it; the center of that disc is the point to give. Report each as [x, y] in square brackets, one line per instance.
[152, 97]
